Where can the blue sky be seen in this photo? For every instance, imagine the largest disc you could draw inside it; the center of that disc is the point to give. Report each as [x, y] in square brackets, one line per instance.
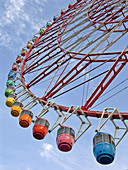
[20, 19]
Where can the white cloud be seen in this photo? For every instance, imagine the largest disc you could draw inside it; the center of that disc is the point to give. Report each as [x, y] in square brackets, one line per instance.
[38, 1]
[48, 152]
[13, 9]
[4, 38]
[28, 168]
[19, 21]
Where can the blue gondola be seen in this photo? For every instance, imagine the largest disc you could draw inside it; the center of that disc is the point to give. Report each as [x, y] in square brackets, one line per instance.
[104, 148]
[11, 75]
[55, 18]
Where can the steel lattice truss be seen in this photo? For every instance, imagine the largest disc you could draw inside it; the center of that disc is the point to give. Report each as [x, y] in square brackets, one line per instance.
[79, 48]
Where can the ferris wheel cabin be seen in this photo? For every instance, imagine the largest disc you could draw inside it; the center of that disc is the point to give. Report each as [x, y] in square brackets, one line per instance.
[10, 100]
[18, 60]
[34, 38]
[55, 18]
[48, 24]
[41, 31]
[15, 67]
[25, 118]
[11, 74]
[10, 82]
[65, 138]
[9, 90]
[29, 45]
[104, 148]
[16, 109]
[40, 128]
[23, 52]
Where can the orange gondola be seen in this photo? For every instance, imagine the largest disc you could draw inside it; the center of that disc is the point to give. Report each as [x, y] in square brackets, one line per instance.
[25, 118]
[29, 45]
[24, 52]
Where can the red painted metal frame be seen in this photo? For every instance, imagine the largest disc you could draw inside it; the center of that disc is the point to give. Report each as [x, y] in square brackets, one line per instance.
[103, 84]
[61, 83]
[112, 18]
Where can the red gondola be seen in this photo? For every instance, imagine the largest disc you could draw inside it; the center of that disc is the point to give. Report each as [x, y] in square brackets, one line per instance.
[15, 67]
[40, 128]
[18, 60]
[62, 12]
[69, 6]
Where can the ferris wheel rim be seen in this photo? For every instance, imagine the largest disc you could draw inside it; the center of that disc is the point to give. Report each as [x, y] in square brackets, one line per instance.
[89, 113]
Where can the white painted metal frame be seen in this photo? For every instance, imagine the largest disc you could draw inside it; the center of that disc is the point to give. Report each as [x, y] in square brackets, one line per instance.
[45, 110]
[117, 128]
[75, 112]
[65, 117]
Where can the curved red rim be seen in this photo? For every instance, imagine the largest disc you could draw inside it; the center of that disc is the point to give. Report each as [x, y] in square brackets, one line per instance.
[63, 108]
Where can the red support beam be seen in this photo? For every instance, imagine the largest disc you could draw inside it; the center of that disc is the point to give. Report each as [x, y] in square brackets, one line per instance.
[61, 83]
[102, 86]
[40, 77]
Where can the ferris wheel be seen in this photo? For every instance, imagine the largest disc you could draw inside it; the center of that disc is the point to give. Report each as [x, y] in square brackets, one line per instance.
[70, 66]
